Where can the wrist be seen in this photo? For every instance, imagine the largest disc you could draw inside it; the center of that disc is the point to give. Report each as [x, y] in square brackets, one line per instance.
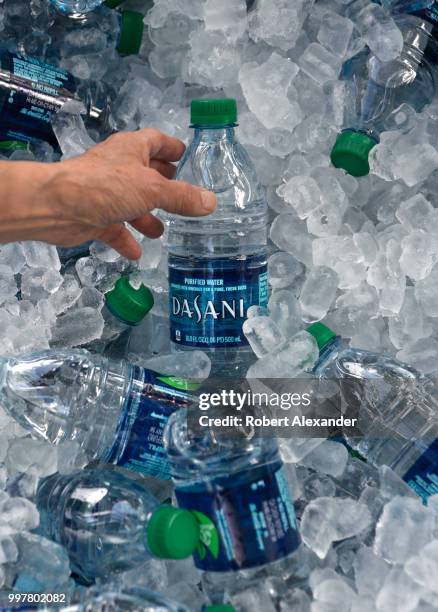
[27, 211]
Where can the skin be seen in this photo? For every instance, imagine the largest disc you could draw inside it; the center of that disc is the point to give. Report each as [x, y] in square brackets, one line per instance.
[90, 197]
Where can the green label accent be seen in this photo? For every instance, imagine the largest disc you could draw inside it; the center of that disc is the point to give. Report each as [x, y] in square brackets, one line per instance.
[207, 534]
[179, 383]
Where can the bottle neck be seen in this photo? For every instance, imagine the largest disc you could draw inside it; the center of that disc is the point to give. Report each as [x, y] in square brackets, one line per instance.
[204, 134]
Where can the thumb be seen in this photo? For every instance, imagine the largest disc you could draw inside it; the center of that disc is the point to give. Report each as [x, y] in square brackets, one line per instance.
[184, 199]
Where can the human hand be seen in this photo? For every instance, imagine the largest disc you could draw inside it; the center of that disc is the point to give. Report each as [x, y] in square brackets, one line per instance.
[120, 180]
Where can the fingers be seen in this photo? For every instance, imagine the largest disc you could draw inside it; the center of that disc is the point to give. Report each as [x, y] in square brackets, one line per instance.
[149, 225]
[120, 239]
[142, 146]
[183, 199]
[166, 169]
[161, 146]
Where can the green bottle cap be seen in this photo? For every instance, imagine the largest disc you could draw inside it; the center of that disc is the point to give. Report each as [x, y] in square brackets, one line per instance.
[131, 33]
[13, 145]
[172, 533]
[322, 334]
[212, 112]
[351, 152]
[219, 608]
[129, 304]
[112, 4]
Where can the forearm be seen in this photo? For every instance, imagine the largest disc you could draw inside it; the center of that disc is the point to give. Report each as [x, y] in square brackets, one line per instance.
[26, 209]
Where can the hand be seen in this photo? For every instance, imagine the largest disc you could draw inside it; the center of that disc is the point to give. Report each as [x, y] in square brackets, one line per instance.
[91, 196]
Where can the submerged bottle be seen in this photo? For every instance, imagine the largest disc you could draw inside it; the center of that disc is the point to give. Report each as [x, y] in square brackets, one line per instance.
[376, 89]
[218, 264]
[396, 407]
[96, 31]
[110, 523]
[238, 491]
[125, 307]
[115, 411]
[77, 6]
[32, 92]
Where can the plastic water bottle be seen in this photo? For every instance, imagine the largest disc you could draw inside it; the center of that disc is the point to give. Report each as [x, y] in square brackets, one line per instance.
[115, 411]
[123, 29]
[125, 307]
[239, 493]
[397, 413]
[109, 523]
[218, 264]
[32, 92]
[378, 88]
[76, 6]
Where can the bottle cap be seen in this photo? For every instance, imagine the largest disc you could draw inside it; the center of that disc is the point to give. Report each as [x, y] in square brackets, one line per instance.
[129, 304]
[13, 145]
[351, 151]
[131, 33]
[322, 334]
[219, 608]
[172, 533]
[112, 4]
[220, 111]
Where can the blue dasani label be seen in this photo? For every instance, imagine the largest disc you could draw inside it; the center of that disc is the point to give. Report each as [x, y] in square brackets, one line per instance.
[139, 438]
[246, 520]
[423, 475]
[210, 299]
[29, 104]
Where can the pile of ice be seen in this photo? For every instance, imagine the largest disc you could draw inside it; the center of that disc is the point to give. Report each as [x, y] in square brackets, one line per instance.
[360, 254]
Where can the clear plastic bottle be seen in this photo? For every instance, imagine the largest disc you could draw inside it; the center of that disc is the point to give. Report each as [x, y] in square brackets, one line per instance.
[238, 491]
[32, 92]
[110, 523]
[376, 89]
[218, 264]
[396, 407]
[115, 411]
[76, 7]
[125, 307]
[96, 31]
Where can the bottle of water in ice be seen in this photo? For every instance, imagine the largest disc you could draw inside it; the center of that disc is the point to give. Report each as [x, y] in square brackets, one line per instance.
[218, 264]
[115, 411]
[77, 7]
[125, 307]
[376, 89]
[238, 491]
[32, 92]
[110, 523]
[396, 407]
[96, 31]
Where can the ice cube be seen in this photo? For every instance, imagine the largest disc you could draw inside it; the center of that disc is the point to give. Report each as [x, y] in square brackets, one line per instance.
[8, 286]
[278, 24]
[335, 33]
[19, 514]
[41, 255]
[421, 354]
[328, 458]
[426, 292]
[404, 527]
[283, 270]
[318, 292]
[24, 453]
[229, 16]
[12, 255]
[422, 568]
[285, 312]
[398, 592]
[320, 64]
[273, 78]
[327, 519]
[263, 335]
[78, 326]
[290, 235]
[414, 213]
[380, 32]
[335, 594]
[369, 571]
[302, 193]
[295, 449]
[71, 132]
[417, 255]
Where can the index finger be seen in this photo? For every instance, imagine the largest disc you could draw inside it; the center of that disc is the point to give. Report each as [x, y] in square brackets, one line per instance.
[159, 145]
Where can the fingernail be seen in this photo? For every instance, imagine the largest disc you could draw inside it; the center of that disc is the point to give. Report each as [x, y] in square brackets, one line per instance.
[208, 200]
